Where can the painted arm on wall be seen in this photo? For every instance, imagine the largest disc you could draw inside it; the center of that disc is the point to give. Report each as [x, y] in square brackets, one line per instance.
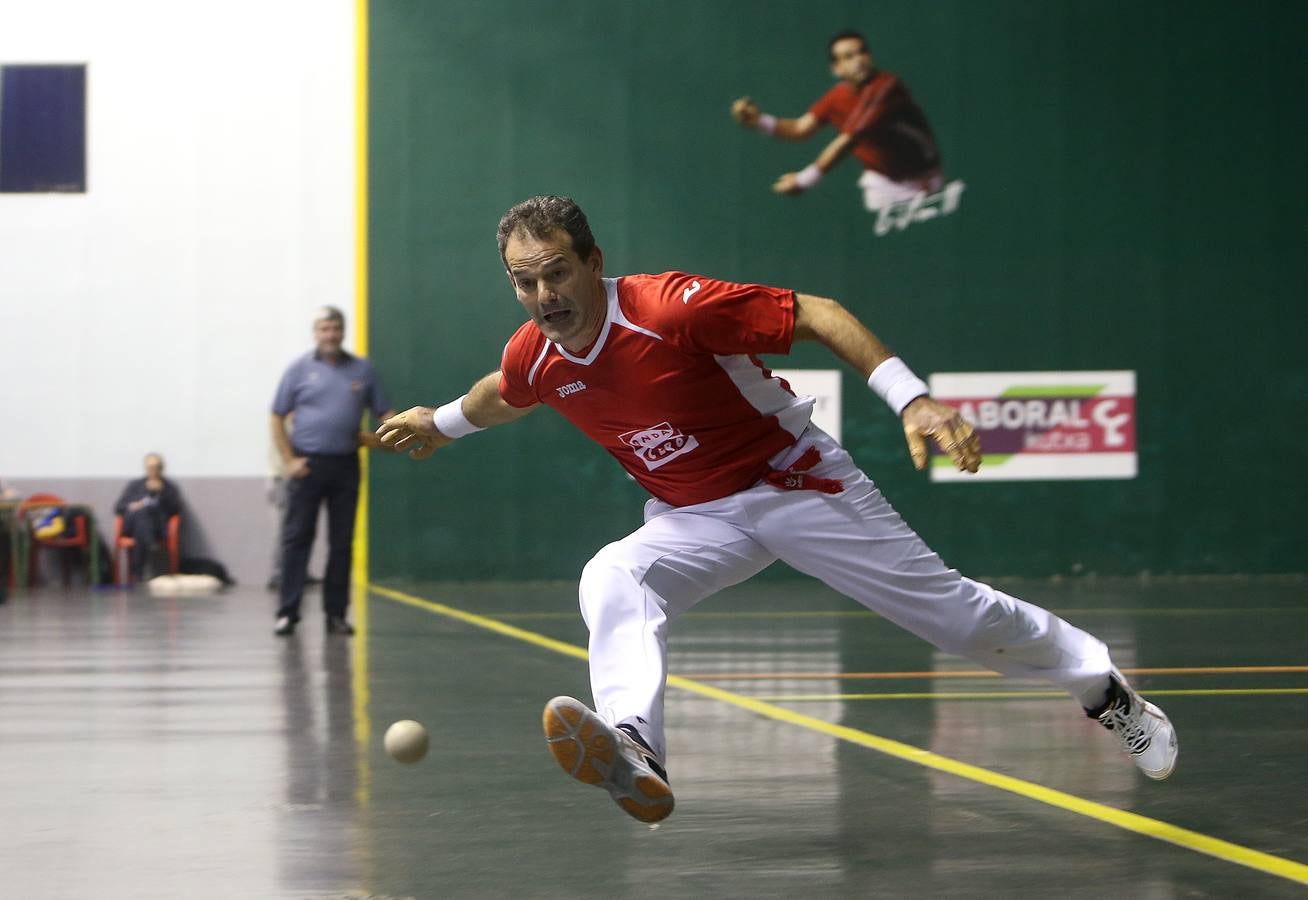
[836, 328]
[798, 182]
[746, 112]
[415, 429]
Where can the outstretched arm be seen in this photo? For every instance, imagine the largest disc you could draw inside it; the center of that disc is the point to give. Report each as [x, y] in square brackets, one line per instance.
[416, 430]
[746, 112]
[830, 324]
[798, 182]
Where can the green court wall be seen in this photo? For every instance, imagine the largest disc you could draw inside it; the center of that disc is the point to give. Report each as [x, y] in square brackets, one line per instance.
[1134, 201]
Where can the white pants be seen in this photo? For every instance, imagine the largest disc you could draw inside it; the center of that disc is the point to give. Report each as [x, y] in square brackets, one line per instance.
[880, 192]
[853, 541]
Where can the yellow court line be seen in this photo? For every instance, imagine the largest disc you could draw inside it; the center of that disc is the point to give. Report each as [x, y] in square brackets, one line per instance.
[520, 634]
[1172, 834]
[979, 673]
[757, 614]
[1012, 695]
[866, 613]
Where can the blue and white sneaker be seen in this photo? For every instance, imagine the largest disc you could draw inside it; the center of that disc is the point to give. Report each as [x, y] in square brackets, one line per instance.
[615, 759]
[1146, 733]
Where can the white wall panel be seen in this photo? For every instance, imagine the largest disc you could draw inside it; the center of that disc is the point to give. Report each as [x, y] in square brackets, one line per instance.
[156, 311]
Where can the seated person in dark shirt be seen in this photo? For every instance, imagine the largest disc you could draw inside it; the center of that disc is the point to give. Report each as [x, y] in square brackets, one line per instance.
[146, 505]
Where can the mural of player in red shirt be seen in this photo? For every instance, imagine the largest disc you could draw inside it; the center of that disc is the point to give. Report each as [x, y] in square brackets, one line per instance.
[880, 124]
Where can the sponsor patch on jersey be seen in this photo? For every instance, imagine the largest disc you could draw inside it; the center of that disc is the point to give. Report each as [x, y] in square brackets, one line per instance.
[659, 445]
[572, 388]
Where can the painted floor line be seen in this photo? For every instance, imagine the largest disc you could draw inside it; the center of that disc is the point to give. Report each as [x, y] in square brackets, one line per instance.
[1172, 834]
[1012, 695]
[866, 613]
[980, 673]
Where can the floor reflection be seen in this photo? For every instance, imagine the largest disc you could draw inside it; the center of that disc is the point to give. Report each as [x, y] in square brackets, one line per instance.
[319, 821]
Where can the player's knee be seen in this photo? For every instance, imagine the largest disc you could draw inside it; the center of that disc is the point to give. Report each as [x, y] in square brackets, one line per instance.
[606, 580]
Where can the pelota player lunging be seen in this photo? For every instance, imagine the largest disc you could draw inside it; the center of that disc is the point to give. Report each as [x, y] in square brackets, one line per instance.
[661, 371]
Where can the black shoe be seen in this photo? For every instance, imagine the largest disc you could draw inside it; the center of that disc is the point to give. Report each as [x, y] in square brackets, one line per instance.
[653, 761]
[337, 625]
[285, 626]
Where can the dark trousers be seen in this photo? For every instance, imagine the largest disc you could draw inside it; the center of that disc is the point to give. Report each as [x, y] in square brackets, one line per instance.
[146, 527]
[333, 480]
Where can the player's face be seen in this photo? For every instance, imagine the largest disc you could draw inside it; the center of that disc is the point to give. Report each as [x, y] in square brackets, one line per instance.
[327, 336]
[851, 61]
[563, 293]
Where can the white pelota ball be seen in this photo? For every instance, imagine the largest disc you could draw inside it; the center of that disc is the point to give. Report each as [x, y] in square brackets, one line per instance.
[406, 741]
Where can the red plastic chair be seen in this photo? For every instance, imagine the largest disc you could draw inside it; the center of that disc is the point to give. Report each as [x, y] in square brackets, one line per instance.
[75, 536]
[122, 544]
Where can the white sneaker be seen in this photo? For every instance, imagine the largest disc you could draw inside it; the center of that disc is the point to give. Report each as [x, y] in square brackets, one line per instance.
[594, 752]
[1146, 733]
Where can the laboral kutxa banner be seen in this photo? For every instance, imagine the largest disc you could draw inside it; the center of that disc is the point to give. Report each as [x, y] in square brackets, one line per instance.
[1043, 425]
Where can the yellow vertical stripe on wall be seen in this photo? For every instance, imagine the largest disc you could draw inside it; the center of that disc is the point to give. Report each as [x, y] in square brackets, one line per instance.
[360, 549]
[359, 590]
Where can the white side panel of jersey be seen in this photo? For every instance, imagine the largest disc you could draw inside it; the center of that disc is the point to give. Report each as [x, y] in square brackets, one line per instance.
[616, 314]
[531, 376]
[766, 394]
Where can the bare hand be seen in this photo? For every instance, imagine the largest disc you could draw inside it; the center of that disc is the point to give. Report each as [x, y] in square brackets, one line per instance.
[926, 418]
[298, 467]
[745, 111]
[788, 184]
[413, 430]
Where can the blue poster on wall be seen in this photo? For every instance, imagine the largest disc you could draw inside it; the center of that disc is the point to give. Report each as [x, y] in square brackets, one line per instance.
[42, 128]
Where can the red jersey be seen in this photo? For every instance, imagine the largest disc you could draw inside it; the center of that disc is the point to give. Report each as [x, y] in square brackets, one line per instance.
[672, 387]
[892, 134]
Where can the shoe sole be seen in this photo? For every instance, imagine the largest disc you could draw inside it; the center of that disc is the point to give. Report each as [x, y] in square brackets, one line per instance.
[585, 747]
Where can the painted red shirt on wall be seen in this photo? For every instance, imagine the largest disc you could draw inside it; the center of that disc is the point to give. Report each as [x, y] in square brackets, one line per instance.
[672, 388]
[892, 134]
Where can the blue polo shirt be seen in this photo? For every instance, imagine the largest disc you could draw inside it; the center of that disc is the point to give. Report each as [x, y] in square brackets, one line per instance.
[328, 401]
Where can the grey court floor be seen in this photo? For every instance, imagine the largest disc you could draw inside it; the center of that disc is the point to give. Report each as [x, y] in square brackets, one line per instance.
[172, 747]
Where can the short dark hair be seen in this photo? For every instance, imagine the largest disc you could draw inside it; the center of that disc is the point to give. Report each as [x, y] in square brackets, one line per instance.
[539, 216]
[845, 35]
[328, 314]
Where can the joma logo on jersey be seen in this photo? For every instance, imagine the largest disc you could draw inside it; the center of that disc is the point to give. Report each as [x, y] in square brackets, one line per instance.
[573, 388]
[659, 445]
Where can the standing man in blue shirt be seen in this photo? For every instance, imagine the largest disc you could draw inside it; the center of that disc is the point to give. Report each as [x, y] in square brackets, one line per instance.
[327, 391]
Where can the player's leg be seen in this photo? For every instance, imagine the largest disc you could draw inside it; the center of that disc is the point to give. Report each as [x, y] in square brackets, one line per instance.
[856, 543]
[630, 592]
[633, 588]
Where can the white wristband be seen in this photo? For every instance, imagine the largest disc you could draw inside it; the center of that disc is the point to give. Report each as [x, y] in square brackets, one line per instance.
[451, 422]
[766, 123]
[896, 384]
[808, 176]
